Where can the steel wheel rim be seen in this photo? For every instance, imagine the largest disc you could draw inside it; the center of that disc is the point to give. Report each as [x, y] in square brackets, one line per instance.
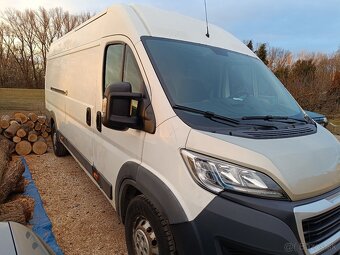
[144, 238]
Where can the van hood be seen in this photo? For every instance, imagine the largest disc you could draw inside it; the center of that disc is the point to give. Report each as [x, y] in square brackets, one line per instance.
[304, 166]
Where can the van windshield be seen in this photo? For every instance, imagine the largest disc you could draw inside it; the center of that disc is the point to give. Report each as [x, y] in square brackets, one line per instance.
[217, 80]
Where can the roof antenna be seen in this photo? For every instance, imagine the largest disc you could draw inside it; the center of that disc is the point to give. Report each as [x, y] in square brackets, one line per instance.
[206, 18]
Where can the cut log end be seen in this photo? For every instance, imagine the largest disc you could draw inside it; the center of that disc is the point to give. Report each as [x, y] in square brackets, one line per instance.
[21, 132]
[42, 119]
[40, 147]
[16, 139]
[32, 136]
[12, 129]
[37, 126]
[4, 121]
[44, 134]
[22, 118]
[23, 148]
[30, 124]
[33, 117]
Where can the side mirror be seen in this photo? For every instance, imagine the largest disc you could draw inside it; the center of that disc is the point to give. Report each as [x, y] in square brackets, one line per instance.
[121, 107]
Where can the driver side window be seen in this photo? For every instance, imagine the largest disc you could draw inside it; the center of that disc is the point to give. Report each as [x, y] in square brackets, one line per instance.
[121, 65]
[113, 64]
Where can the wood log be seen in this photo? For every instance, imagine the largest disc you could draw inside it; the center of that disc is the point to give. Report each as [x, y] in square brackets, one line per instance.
[48, 122]
[4, 121]
[13, 211]
[44, 134]
[27, 127]
[23, 148]
[5, 154]
[21, 117]
[8, 145]
[37, 126]
[33, 117]
[48, 130]
[30, 124]
[11, 178]
[16, 139]
[40, 146]
[26, 202]
[12, 129]
[43, 128]
[23, 131]
[42, 119]
[20, 188]
[32, 136]
[28, 205]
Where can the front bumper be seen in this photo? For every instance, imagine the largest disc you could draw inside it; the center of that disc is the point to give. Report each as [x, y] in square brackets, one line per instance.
[234, 224]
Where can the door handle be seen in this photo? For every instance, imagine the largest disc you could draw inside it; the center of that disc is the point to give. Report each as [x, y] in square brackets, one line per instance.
[99, 121]
[88, 116]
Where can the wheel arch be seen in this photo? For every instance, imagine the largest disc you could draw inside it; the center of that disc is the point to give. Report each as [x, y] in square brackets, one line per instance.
[134, 179]
[53, 118]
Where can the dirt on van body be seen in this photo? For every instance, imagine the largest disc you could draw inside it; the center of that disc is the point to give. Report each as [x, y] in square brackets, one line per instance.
[84, 222]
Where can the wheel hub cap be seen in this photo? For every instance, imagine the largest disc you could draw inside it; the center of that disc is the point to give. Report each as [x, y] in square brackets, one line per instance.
[144, 238]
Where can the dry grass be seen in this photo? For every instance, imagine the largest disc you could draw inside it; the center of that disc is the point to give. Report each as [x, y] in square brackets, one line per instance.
[334, 126]
[335, 121]
[22, 99]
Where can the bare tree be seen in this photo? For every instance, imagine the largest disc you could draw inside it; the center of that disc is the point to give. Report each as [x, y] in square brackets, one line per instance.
[25, 38]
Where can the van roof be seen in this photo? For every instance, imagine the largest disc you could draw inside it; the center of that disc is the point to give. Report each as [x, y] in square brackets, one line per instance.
[135, 21]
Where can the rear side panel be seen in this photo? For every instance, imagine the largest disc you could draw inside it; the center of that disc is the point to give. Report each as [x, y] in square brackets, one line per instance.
[55, 92]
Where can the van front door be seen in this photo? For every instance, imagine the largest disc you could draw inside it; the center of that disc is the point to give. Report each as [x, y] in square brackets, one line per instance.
[112, 148]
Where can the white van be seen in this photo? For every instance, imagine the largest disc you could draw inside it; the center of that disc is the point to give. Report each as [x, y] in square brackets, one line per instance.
[197, 145]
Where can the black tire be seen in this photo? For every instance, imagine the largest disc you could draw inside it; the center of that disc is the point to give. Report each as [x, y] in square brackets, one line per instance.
[155, 225]
[58, 148]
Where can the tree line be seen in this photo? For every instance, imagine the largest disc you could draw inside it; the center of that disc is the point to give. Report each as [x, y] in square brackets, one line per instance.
[312, 78]
[25, 37]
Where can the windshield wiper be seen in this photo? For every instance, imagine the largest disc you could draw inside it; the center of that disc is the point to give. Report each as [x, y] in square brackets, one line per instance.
[271, 117]
[218, 118]
[206, 114]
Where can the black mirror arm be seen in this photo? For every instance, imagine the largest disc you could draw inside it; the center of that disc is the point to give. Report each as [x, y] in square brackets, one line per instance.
[126, 120]
[129, 95]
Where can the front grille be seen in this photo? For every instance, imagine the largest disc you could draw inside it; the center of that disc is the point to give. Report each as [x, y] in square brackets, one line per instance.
[321, 227]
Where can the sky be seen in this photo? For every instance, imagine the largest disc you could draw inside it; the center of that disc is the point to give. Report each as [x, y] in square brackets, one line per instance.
[295, 25]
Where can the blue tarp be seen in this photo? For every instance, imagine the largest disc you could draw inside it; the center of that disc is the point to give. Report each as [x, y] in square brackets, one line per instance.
[42, 225]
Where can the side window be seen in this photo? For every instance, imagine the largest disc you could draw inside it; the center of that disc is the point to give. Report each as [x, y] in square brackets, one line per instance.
[113, 64]
[132, 73]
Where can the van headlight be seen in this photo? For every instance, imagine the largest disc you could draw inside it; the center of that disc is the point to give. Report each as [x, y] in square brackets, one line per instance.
[216, 175]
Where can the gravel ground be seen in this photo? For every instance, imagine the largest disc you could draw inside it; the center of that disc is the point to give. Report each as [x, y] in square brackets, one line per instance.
[84, 222]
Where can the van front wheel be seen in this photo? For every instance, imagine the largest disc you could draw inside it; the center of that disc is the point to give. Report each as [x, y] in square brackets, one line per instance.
[58, 148]
[147, 232]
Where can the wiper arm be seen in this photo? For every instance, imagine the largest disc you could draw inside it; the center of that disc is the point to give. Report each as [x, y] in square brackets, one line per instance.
[271, 117]
[264, 117]
[218, 118]
[206, 114]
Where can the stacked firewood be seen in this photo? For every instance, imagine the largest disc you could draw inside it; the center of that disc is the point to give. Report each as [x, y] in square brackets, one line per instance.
[28, 132]
[13, 205]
